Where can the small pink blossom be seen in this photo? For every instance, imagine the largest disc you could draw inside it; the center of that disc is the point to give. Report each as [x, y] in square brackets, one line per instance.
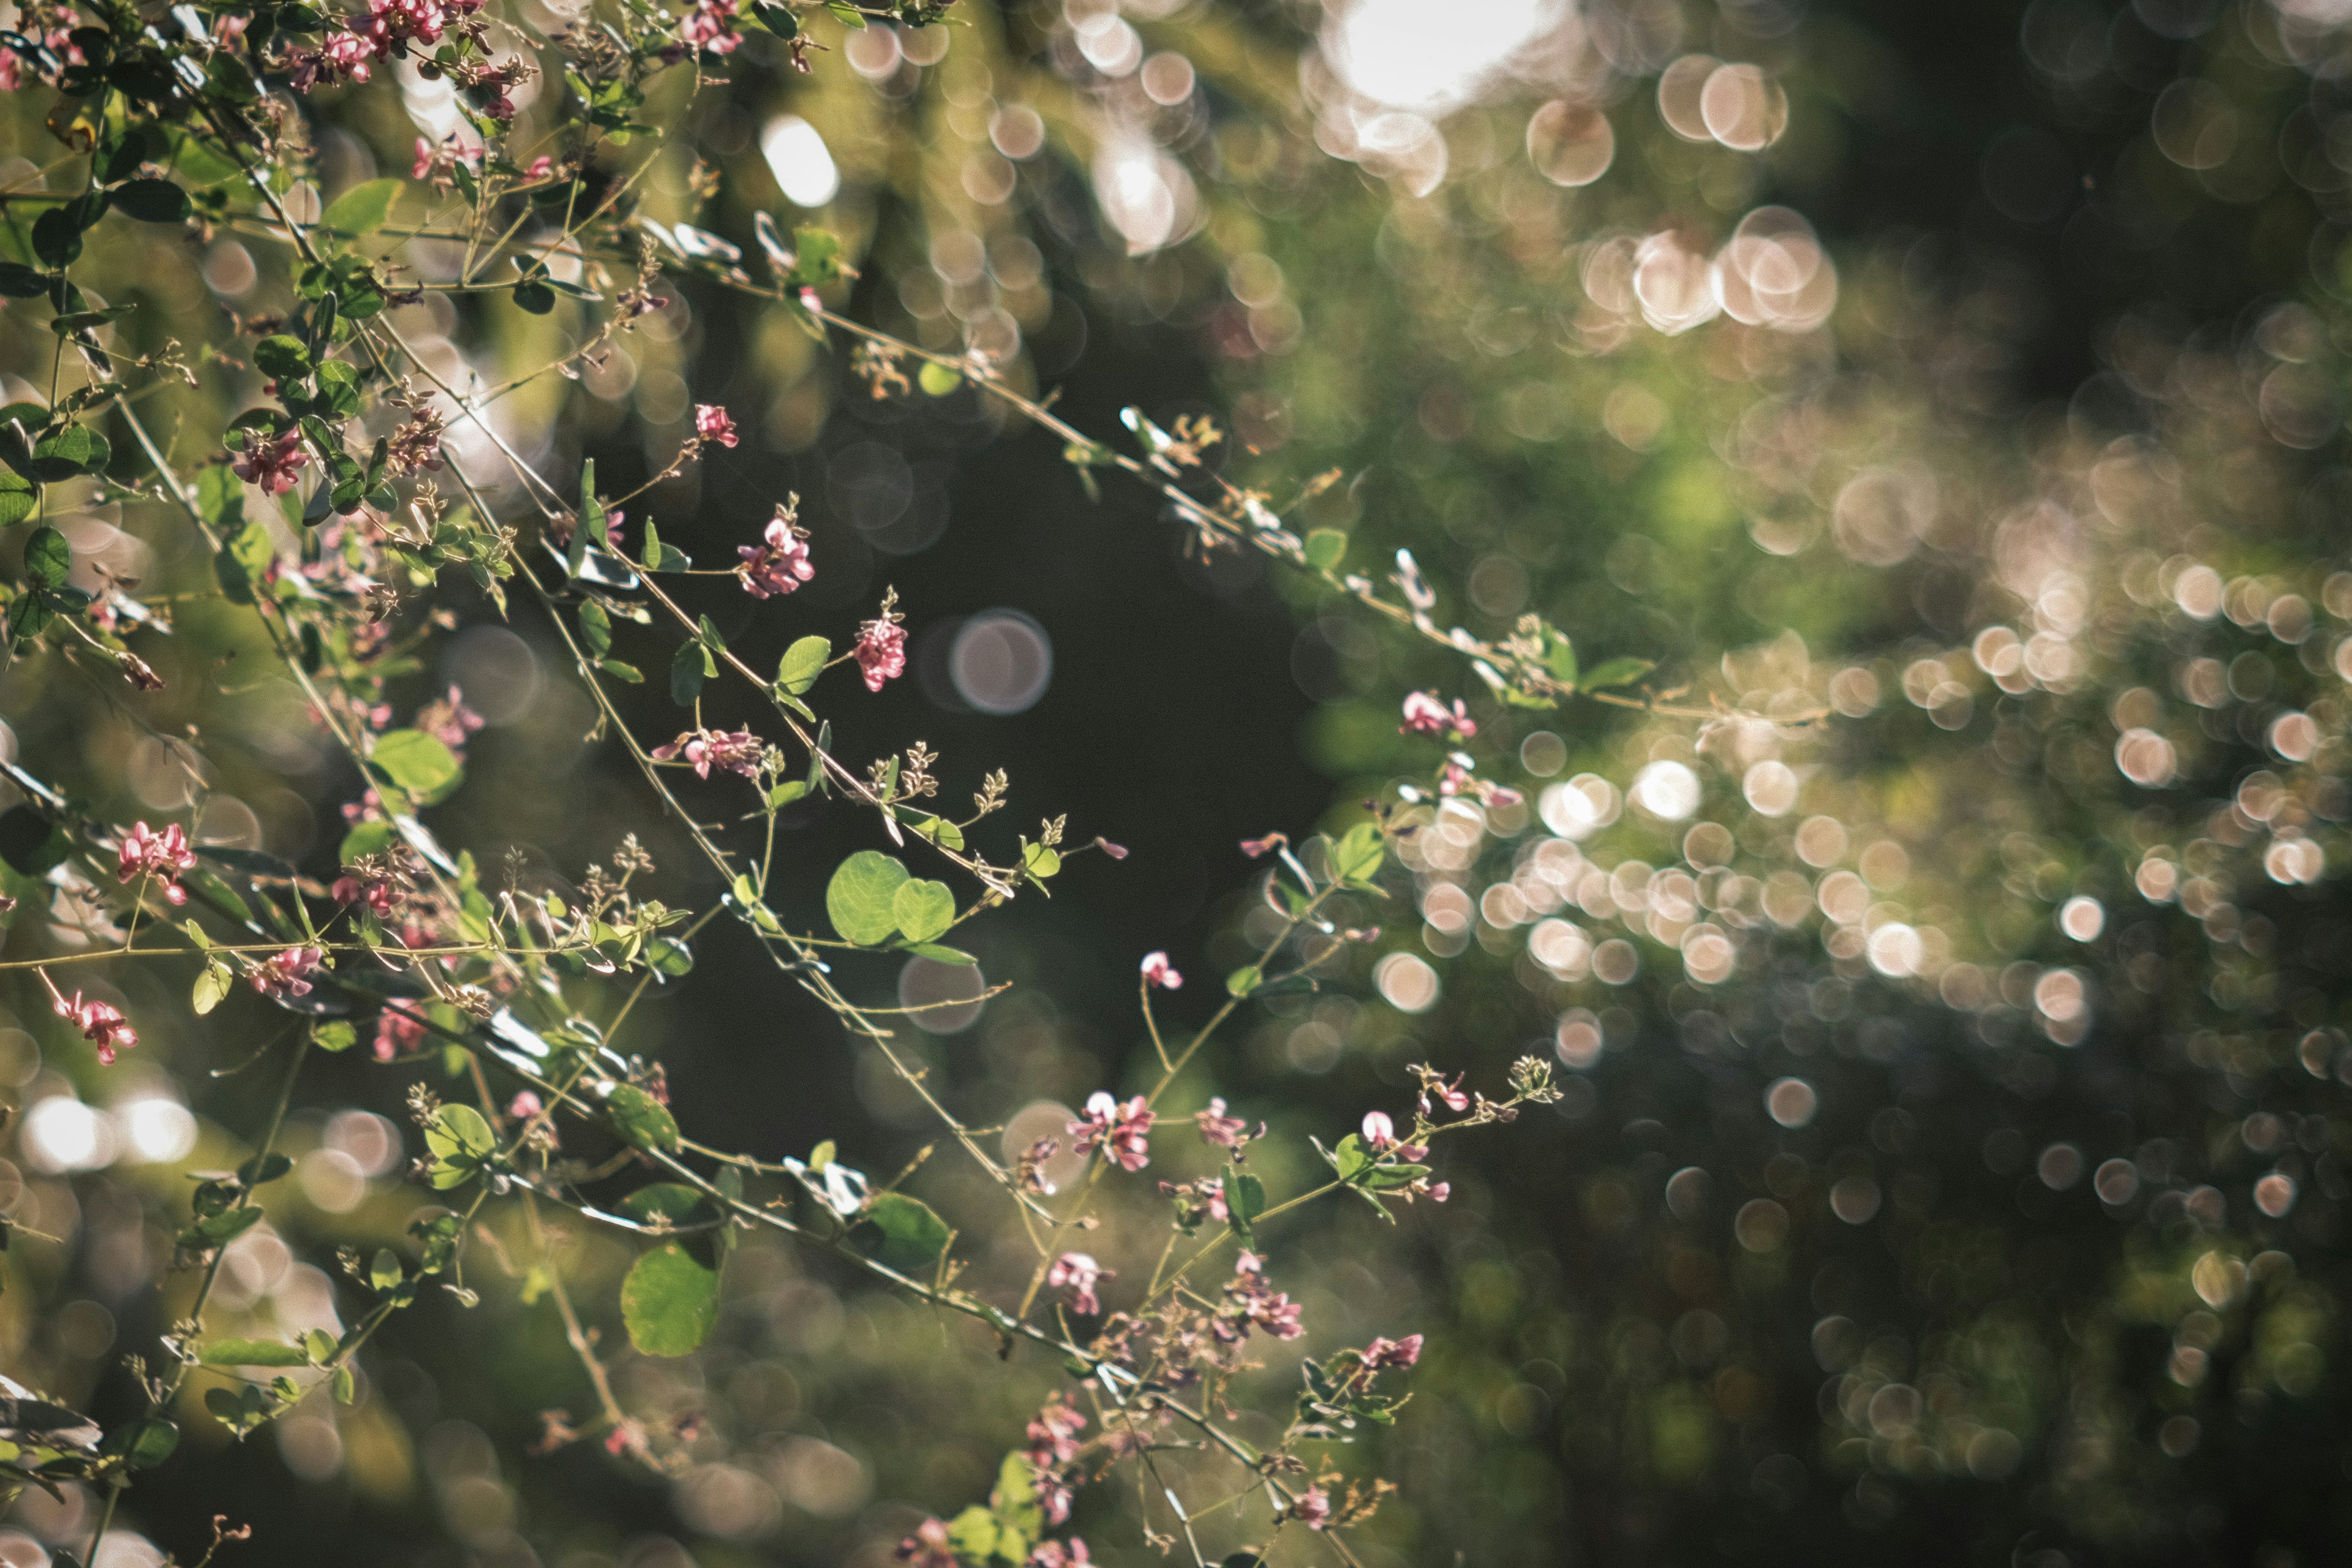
[713, 423]
[1382, 1354]
[163, 855]
[1076, 1273]
[283, 974]
[526, 1105]
[540, 168]
[1220, 1130]
[272, 463]
[1378, 1131]
[1313, 1508]
[102, 1025]
[735, 751]
[1425, 715]
[881, 651]
[397, 1033]
[779, 563]
[928, 1547]
[1054, 1554]
[1054, 1434]
[1158, 971]
[449, 720]
[1121, 1130]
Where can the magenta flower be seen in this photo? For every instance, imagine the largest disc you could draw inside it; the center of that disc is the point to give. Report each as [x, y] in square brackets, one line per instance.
[102, 1025]
[1158, 971]
[881, 652]
[1121, 1130]
[1313, 1508]
[273, 463]
[712, 423]
[449, 720]
[163, 855]
[1425, 715]
[282, 974]
[526, 1105]
[779, 563]
[1054, 1434]
[1054, 1554]
[1401, 1352]
[736, 751]
[1076, 1273]
[540, 168]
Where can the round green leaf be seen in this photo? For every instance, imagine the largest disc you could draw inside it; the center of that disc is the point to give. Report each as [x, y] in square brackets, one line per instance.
[48, 558]
[283, 356]
[902, 1232]
[417, 764]
[923, 909]
[803, 663]
[151, 201]
[861, 899]
[669, 1302]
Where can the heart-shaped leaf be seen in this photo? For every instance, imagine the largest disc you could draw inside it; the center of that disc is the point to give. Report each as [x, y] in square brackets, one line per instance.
[923, 909]
[670, 1301]
[861, 899]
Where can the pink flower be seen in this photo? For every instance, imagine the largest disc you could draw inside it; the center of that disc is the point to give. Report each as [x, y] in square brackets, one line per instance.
[1313, 1508]
[1425, 715]
[540, 168]
[1121, 1130]
[710, 26]
[271, 463]
[426, 160]
[397, 1033]
[1158, 971]
[449, 720]
[282, 973]
[1076, 1273]
[928, 1547]
[1054, 1434]
[1441, 1192]
[526, 1105]
[736, 751]
[712, 424]
[1401, 1352]
[1052, 1554]
[779, 563]
[1448, 1093]
[1378, 1131]
[381, 892]
[1253, 847]
[1220, 1130]
[881, 652]
[348, 54]
[146, 853]
[103, 1026]
[1054, 1495]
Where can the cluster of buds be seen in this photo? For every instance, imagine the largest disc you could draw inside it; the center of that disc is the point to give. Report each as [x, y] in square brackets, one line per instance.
[1076, 1274]
[881, 648]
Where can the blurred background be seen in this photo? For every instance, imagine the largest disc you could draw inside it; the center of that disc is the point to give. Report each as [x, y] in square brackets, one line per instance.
[1953, 399]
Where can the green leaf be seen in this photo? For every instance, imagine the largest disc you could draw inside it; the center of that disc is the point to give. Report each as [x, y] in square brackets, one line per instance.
[972, 1534]
[145, 1443]
[923, 909]
[16, 498]
[459, 1130]
[48, 558]
[669, 1302]
[817, 254]
[211, 987]
[595, 629]
[1358, 854]
[367, 838]
[419, 765]
[334, 1034]
[901, 1232]
[620, 671]
[672, 1201]
[938, 379]
[802, 664]
[939, 830]
[384, 1270]
[533, 295]
[1619, 672]
[1560, 657]
[252, 1352]
[18, 282]
[151, 201]
[362, 209]
[786, 792]
[668, 955]
[1245, 1198]
[685, 677]
[1040, 860]
[1326, 548]
[1244, 980]
[282, 356]
[643, 1120]
[861, 898]
[939, 955]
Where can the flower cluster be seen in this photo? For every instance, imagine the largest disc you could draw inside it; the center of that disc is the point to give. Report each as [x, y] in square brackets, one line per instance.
[273, 463]
[101, 1024]
[163, 856]
[286, 974]
[1075, 1273]
[779, 563]
[1122, 1131]
[1158, 971]
[881, 648]
[1425, 715]
[733, 750]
